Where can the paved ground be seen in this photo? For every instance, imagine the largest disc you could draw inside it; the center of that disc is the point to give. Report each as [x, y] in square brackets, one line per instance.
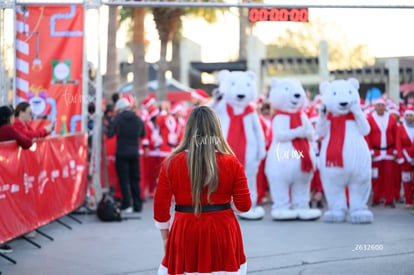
[134, 247]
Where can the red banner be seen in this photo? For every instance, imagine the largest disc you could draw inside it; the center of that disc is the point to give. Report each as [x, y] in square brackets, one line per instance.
[49, 43]
[41, 184]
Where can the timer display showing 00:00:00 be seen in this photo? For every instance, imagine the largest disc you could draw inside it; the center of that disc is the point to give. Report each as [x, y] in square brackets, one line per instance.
[275, 14]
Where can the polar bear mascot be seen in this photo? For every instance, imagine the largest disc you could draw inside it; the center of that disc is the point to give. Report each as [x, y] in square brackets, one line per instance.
[290, 161]
[344, 159]
[241, 126]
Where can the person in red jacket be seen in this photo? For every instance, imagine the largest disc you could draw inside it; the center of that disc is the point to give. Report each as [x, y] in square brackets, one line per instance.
[152, 143]
[405, 140]
[8, 132]
[207, 182]
[23, 114]
[381, 141]
[397, 167]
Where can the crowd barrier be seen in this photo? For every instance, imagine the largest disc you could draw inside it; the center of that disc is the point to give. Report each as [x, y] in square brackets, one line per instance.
[41, 184]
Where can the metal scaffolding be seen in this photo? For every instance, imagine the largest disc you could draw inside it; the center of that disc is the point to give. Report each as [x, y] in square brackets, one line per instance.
[402, 4]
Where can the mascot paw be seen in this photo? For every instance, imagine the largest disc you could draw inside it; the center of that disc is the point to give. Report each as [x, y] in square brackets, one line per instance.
[255, 213]
[283, 215]
[361, 216]
[334, 216]
[309, 214]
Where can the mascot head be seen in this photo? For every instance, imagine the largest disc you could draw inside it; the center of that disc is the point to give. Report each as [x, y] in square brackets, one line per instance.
[339, 95]
[238, 88]
[286, 95]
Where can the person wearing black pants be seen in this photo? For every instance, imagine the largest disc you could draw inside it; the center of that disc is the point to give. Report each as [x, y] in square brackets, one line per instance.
[129, 128]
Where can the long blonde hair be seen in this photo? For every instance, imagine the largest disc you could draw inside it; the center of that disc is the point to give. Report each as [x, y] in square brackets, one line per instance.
[203, 137]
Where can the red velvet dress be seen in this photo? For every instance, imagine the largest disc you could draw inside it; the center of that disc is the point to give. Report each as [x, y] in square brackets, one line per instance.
[211, 242]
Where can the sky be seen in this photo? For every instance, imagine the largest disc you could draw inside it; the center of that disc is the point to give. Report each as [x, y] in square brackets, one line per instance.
[386, 32]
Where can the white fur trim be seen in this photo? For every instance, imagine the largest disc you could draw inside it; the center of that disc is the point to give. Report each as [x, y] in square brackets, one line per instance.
[379, 101]
[149, 102]
[162, 270]
[407, 156]
[400, 160]
[408, 112]
[383, 157]
[164, 154]
[155, 153]
[196, 95]
[162, 225]
[234, 208]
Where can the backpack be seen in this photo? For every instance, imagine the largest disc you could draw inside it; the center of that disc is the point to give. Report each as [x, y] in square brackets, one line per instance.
[108, 210]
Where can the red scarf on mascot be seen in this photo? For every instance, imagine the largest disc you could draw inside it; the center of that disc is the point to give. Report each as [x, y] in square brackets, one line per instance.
[336, 140]
[236, 136]
[300, 144]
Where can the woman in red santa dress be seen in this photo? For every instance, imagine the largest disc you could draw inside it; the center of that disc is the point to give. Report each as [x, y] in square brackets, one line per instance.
[207, 181]
[404, 144]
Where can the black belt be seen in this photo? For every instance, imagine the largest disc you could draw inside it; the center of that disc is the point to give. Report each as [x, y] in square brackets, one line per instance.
[383, 148]
[204, 208]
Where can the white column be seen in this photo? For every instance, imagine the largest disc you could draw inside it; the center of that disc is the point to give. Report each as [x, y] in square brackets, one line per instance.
[256, 51]
[323, 61]
[189, 51]
[393, 85]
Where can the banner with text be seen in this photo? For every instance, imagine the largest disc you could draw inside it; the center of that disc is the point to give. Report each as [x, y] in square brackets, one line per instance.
[49, 43]
[40, 184]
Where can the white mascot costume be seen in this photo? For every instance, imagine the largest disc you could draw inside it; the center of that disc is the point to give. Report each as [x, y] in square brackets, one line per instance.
[290, 161]
[242, 129]
[344, 159]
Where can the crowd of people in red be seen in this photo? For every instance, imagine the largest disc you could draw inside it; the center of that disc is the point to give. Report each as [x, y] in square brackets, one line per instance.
[390, 141]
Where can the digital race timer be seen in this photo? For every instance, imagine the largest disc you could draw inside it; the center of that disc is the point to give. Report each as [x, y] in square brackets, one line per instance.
[278, 14]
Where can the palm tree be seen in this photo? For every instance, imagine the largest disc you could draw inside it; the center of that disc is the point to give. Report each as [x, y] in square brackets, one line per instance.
[111, 80]
[168, 22]
[244, 26]
[244, 30]
[138, 50]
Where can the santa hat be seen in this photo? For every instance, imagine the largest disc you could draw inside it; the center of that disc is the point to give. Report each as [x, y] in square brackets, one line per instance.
[380, 100]
[317, 101]
[122, 104]
[129, 98]
[200, 94]
[313, 116]
[394, 111]
[148, 101]
[409, 110]
[176, 108]
[260, 99]
[153, 111]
